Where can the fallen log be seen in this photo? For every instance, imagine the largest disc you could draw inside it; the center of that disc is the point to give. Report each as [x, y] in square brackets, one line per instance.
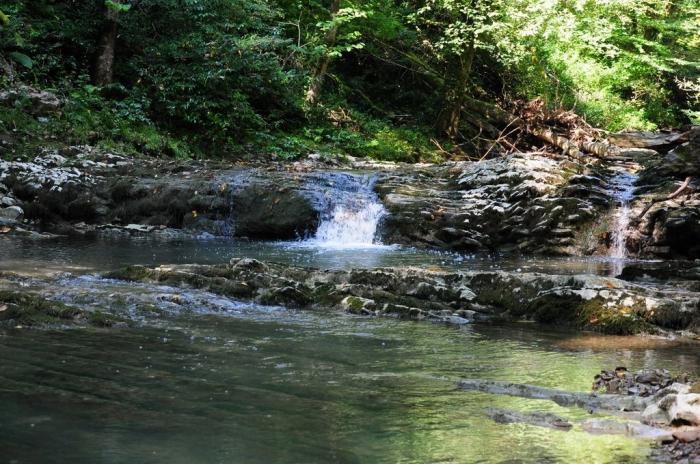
[480, 110]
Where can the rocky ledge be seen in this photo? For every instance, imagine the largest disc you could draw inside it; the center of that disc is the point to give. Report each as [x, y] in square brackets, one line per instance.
[585, 302]
[533, 203]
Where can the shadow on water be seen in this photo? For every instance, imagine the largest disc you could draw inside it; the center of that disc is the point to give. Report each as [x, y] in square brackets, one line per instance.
[203, 379]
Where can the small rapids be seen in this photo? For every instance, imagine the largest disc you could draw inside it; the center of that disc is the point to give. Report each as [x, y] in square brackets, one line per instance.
[351, 213]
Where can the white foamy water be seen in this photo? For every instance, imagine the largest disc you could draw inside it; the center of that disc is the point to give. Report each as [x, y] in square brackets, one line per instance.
[623, 192]
[352, 215]
[351, 226]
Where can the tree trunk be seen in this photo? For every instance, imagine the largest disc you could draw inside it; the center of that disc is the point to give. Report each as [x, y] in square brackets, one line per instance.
[448, 121]
[103, 71]
[314, 91]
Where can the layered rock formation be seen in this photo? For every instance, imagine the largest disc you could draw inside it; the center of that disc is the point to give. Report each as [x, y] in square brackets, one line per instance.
[582, 301]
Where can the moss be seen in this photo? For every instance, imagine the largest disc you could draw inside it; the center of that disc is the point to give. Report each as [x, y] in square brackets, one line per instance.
[326, 294]
[354, 304]
[31, 310]
[100, 319]
[595, 315]
[551, 309]
[131, 273]
[286, 296]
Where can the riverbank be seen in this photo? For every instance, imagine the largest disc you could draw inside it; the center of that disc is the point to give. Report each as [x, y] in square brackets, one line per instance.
[525, 203]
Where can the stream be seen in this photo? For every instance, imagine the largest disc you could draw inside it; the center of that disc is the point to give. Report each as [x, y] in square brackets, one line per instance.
[209, 380]
[199, 378]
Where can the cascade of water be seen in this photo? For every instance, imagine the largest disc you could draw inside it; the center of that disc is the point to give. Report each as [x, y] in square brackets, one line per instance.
[622, 184]
[350, 215]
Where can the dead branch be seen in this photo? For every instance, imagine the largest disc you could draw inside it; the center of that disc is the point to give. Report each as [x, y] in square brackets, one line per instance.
[677, 193]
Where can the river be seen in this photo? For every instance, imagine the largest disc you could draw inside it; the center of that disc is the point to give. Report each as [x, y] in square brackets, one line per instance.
[203, 379]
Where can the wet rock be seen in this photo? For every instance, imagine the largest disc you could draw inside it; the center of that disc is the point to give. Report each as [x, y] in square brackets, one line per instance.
[500, 204]
[25, 309]
[14, 213]
[540, 419]
[631, 429]
[358, 305]
[286, 296]
[560, 397]
[7, 201]
[598, 303]
[273, 213]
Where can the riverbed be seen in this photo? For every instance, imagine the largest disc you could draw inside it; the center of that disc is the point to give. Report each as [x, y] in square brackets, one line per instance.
[198, 378]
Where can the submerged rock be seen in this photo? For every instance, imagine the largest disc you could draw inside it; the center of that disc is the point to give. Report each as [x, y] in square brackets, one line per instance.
[540, 419]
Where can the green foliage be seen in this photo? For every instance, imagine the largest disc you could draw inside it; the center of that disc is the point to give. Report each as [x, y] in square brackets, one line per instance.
[228, 77]
[118, 7]
[622, 63]
[22, 59]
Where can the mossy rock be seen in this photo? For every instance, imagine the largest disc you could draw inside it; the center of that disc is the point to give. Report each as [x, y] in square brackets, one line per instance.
[595, 315]
[27, 309]
[131, 274]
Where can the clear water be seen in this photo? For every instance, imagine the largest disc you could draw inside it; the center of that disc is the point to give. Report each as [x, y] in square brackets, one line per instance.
[73, 255]
[261, 385]
[204, 379]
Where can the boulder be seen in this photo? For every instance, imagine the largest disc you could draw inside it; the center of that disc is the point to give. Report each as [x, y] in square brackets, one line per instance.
[266, 212]
[685, 409]
[14, 213]
[39, 101]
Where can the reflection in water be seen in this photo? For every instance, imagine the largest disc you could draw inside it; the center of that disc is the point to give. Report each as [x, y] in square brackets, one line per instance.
[291, 387]
[203, 379]
[51, 255]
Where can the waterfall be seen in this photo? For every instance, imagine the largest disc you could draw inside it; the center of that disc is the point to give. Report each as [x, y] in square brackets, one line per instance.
[350, 212]
[622, 184]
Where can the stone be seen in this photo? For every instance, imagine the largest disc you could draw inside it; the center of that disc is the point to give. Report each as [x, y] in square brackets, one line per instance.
[631, 429]
[139, 228]
[7, 201]
[12, 212]
[266, 212]
[685, 409]
[537, 418]
[686, 434]
[40, 101]
[358, 305]
[654, 415]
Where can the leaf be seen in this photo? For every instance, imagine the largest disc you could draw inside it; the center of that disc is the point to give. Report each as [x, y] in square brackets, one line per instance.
[116, 6]
[4, 19]
[22, 59]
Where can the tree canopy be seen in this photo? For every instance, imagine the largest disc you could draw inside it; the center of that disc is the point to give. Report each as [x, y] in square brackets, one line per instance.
[380, 78]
